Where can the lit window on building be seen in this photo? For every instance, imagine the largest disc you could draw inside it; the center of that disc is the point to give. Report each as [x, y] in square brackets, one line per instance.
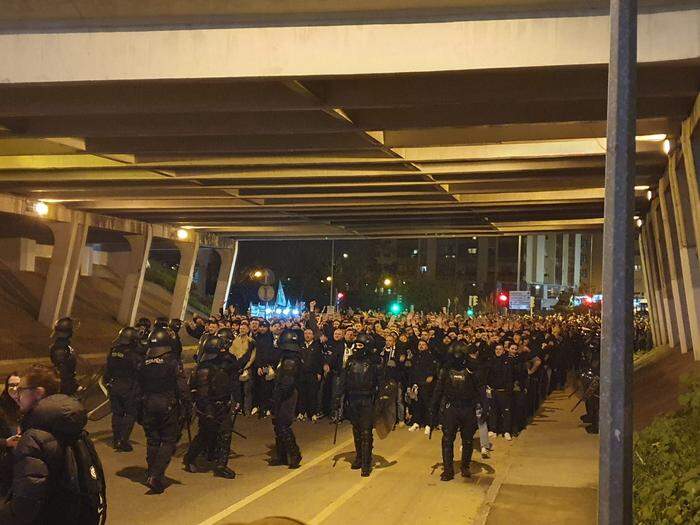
[471, 251]
[423, 269]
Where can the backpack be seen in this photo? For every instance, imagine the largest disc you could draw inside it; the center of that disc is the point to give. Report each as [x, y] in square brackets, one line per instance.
[81, 488]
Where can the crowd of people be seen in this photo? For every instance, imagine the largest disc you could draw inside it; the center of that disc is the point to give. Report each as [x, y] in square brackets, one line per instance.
[484, 375]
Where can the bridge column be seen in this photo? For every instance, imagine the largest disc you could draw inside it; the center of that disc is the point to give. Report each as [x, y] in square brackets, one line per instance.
[223, 283]
[668, 228]
[664, 274]
[140, 246]
[652, 264]
[577, 261]
[183, 283]
[74, 267]
[66, 239]
[648, 292]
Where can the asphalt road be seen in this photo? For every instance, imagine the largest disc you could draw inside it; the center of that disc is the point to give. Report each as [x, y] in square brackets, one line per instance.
[404, 487]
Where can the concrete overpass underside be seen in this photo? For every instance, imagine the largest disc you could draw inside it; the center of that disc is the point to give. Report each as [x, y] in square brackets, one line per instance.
[482, 125]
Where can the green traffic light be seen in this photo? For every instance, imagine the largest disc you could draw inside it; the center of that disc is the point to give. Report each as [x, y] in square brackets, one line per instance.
[470, 312]
[395, 308]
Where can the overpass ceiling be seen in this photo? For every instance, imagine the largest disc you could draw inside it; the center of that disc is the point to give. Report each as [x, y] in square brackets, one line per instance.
[479, 152]
[43, 14]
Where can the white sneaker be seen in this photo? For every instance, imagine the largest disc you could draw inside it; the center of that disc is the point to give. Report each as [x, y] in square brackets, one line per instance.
[268, 413]
[300, 417]
[492, 434]
[254, 411]
[484, 453]
[427, 430]
[507, 436]
[414, 427]
[314, 418]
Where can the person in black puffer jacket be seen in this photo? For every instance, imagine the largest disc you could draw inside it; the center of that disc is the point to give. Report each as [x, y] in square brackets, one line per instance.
[49, 418]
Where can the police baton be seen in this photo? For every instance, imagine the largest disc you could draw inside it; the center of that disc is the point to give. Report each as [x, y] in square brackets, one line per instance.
[233, 424]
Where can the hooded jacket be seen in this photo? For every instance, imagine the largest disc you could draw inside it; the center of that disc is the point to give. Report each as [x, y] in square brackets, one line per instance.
[39, 459]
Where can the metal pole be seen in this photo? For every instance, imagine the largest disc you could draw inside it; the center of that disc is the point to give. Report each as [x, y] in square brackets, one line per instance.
[331, 302]
[615, 482]
[520, 251]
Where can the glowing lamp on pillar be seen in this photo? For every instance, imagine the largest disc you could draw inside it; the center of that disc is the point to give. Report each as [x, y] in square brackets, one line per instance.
[182, 234]
[41, 209]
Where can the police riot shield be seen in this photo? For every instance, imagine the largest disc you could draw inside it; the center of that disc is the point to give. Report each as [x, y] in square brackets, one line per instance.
[385, 408]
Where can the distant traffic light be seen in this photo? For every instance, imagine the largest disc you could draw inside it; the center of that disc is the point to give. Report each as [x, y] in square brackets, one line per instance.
[503, 299]
[395, 308]
[470, 312]
[341, 295]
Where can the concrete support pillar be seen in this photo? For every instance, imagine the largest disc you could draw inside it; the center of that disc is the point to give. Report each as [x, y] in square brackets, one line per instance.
[550, 258]
[681, 207]
[183, 283]
[670, 245]
[690, 143]
[530, 259]
[223, 283]
[203, 259]
[65, 240]
[664, 279]
[565, 259]
[74, 266]
[19, 253]
[140, 246]
[86, 262]
[577, 261]
[539, 259]
[652, 262]
[648, 293]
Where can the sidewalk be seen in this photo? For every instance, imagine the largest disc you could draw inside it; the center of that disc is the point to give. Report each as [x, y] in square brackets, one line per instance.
[550, 472]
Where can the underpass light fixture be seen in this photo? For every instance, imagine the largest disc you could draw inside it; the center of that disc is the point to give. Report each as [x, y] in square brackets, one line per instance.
[257, 274]
[329, 278]
[667, 146]
[641, 187]
[650, 195]
[639, 222]
[345, 256]
[41, 209]
[654, 137]
[182, 234]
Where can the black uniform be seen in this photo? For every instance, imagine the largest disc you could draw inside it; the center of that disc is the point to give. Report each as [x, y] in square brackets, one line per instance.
[160, 407]
[63, 356]
[360, 381]
[215, 389]
[457, 389]
[284, 400]
[121, 377]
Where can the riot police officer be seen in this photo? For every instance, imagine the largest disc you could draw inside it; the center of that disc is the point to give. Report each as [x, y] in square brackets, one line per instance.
[63, 356]
[284, 400]
[176, 325]
[214, 386]
[359, 382]
[158, 380]
[457, 391]
[121, 377]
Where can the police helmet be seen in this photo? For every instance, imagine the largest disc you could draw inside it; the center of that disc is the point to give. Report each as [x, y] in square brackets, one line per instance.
[63, 327]
[364, 341]
[459, 349]
[226, 335]
[160, 341]
[289, 340]
[127, 336]
[162, 322]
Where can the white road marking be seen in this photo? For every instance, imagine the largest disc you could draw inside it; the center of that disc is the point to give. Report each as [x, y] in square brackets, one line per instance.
[272, 486]
[340, 501]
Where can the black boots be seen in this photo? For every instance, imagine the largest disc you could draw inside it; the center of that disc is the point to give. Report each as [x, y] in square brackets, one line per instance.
[357, 462]
[366, 448]
[222, 471]
[279, 456]
[448, 470]
[293, 452]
